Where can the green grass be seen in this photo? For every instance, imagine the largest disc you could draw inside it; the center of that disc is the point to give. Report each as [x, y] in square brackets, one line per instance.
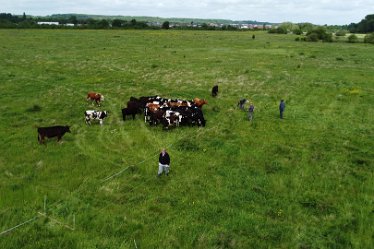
[302, 182]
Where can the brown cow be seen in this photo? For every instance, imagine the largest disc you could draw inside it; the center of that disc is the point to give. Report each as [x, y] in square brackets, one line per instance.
[97, 97]
[200, 102]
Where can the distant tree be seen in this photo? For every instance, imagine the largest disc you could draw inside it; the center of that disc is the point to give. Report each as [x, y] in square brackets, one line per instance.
[352, 38]
[364, 26]
[204, 26]
[306, 27]
[369, 38]
[297, 31]
[117, 23]
[319, 33]
[103, 24]
[341, 32]
[165, 25]
[24, 16]
[279, 30]
[73, 20]
[133, 22]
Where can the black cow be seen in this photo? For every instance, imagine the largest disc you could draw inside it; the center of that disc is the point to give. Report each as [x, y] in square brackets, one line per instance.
[215, 90]
[53, 131]
[129, 111]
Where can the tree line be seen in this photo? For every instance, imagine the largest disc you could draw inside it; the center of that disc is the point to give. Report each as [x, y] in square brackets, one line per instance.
[71, 21]
[364, 26]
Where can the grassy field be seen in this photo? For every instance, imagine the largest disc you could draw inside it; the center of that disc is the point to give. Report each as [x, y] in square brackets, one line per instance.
[302, 182]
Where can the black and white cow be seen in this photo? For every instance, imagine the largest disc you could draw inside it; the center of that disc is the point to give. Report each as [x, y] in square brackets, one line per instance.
[95, 115]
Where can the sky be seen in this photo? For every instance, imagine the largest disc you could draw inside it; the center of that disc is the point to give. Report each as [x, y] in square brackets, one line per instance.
[331, 12]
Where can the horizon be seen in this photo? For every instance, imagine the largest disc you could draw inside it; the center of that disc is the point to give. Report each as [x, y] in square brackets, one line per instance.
[319, 12]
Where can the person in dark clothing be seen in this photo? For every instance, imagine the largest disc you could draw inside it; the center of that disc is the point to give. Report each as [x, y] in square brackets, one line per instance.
[163, 163]
[241, 103]
[251, 110]
[282, 106]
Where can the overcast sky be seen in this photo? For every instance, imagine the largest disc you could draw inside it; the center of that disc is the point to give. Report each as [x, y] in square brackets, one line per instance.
[314, 11]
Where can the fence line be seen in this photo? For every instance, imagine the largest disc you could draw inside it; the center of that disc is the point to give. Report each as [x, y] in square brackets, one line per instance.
[19, 225]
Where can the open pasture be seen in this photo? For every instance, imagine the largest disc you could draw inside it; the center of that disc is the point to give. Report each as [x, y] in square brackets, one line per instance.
[302, 182]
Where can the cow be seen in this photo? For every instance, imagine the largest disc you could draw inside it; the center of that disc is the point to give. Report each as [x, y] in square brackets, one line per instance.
[155, 117]
[95, 115]
[215, 90]
[199, 102]
[129, 111]
[97, 97]
[179, 103]
[52, 131]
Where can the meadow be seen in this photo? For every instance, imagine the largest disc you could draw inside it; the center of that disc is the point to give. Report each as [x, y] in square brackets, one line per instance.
[302, 182]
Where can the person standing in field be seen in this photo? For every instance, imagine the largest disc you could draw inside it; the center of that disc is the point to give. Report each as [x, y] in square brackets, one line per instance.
[282, 106]
[251, 110]
[163, 163]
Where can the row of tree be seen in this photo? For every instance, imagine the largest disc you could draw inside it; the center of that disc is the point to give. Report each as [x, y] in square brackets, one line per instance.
[365, 26]
[65, 21]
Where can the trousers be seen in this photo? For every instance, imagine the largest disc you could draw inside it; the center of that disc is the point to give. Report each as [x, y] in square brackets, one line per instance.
[162, 168]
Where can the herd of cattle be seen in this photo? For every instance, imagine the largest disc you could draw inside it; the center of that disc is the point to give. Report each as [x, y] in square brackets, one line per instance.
[168, 112]
[156, 110]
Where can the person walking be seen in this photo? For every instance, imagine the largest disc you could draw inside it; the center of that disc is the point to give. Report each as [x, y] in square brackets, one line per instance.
[251, 110]
[282, 106]
[163, 163]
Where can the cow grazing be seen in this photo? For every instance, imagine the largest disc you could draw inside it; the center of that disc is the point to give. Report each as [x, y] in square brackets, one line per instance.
[97, 97]
[129, 111]
[215, 90]
[95, 115]
[52, 131]
[199, 102]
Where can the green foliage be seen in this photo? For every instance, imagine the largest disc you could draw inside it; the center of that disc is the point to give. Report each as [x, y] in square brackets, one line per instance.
[278, 30]
[364, 26]
[319, 33]
[369, 38]
[232, 183]
[341, 32]
[352, 38]
[297, 31]
[165, 25]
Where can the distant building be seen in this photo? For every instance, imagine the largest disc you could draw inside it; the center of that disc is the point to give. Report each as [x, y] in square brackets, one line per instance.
[48, 23]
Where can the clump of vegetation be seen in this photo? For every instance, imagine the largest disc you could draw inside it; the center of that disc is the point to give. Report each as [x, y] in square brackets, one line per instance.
[341, 32]
[319, 34]
[352, 38]
[369, 38]
[279, 30]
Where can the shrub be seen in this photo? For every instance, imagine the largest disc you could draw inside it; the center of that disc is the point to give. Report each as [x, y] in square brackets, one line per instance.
[312, 37]
[352, 39]
[341, 32]
[369, 38]
[317, 34]
[297, 31]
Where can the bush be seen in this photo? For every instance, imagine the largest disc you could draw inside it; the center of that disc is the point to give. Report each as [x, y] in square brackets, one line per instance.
[369, 38]
[297, 31]
[352, 39]
[341, 32]
[312, 37]
[317, 34]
